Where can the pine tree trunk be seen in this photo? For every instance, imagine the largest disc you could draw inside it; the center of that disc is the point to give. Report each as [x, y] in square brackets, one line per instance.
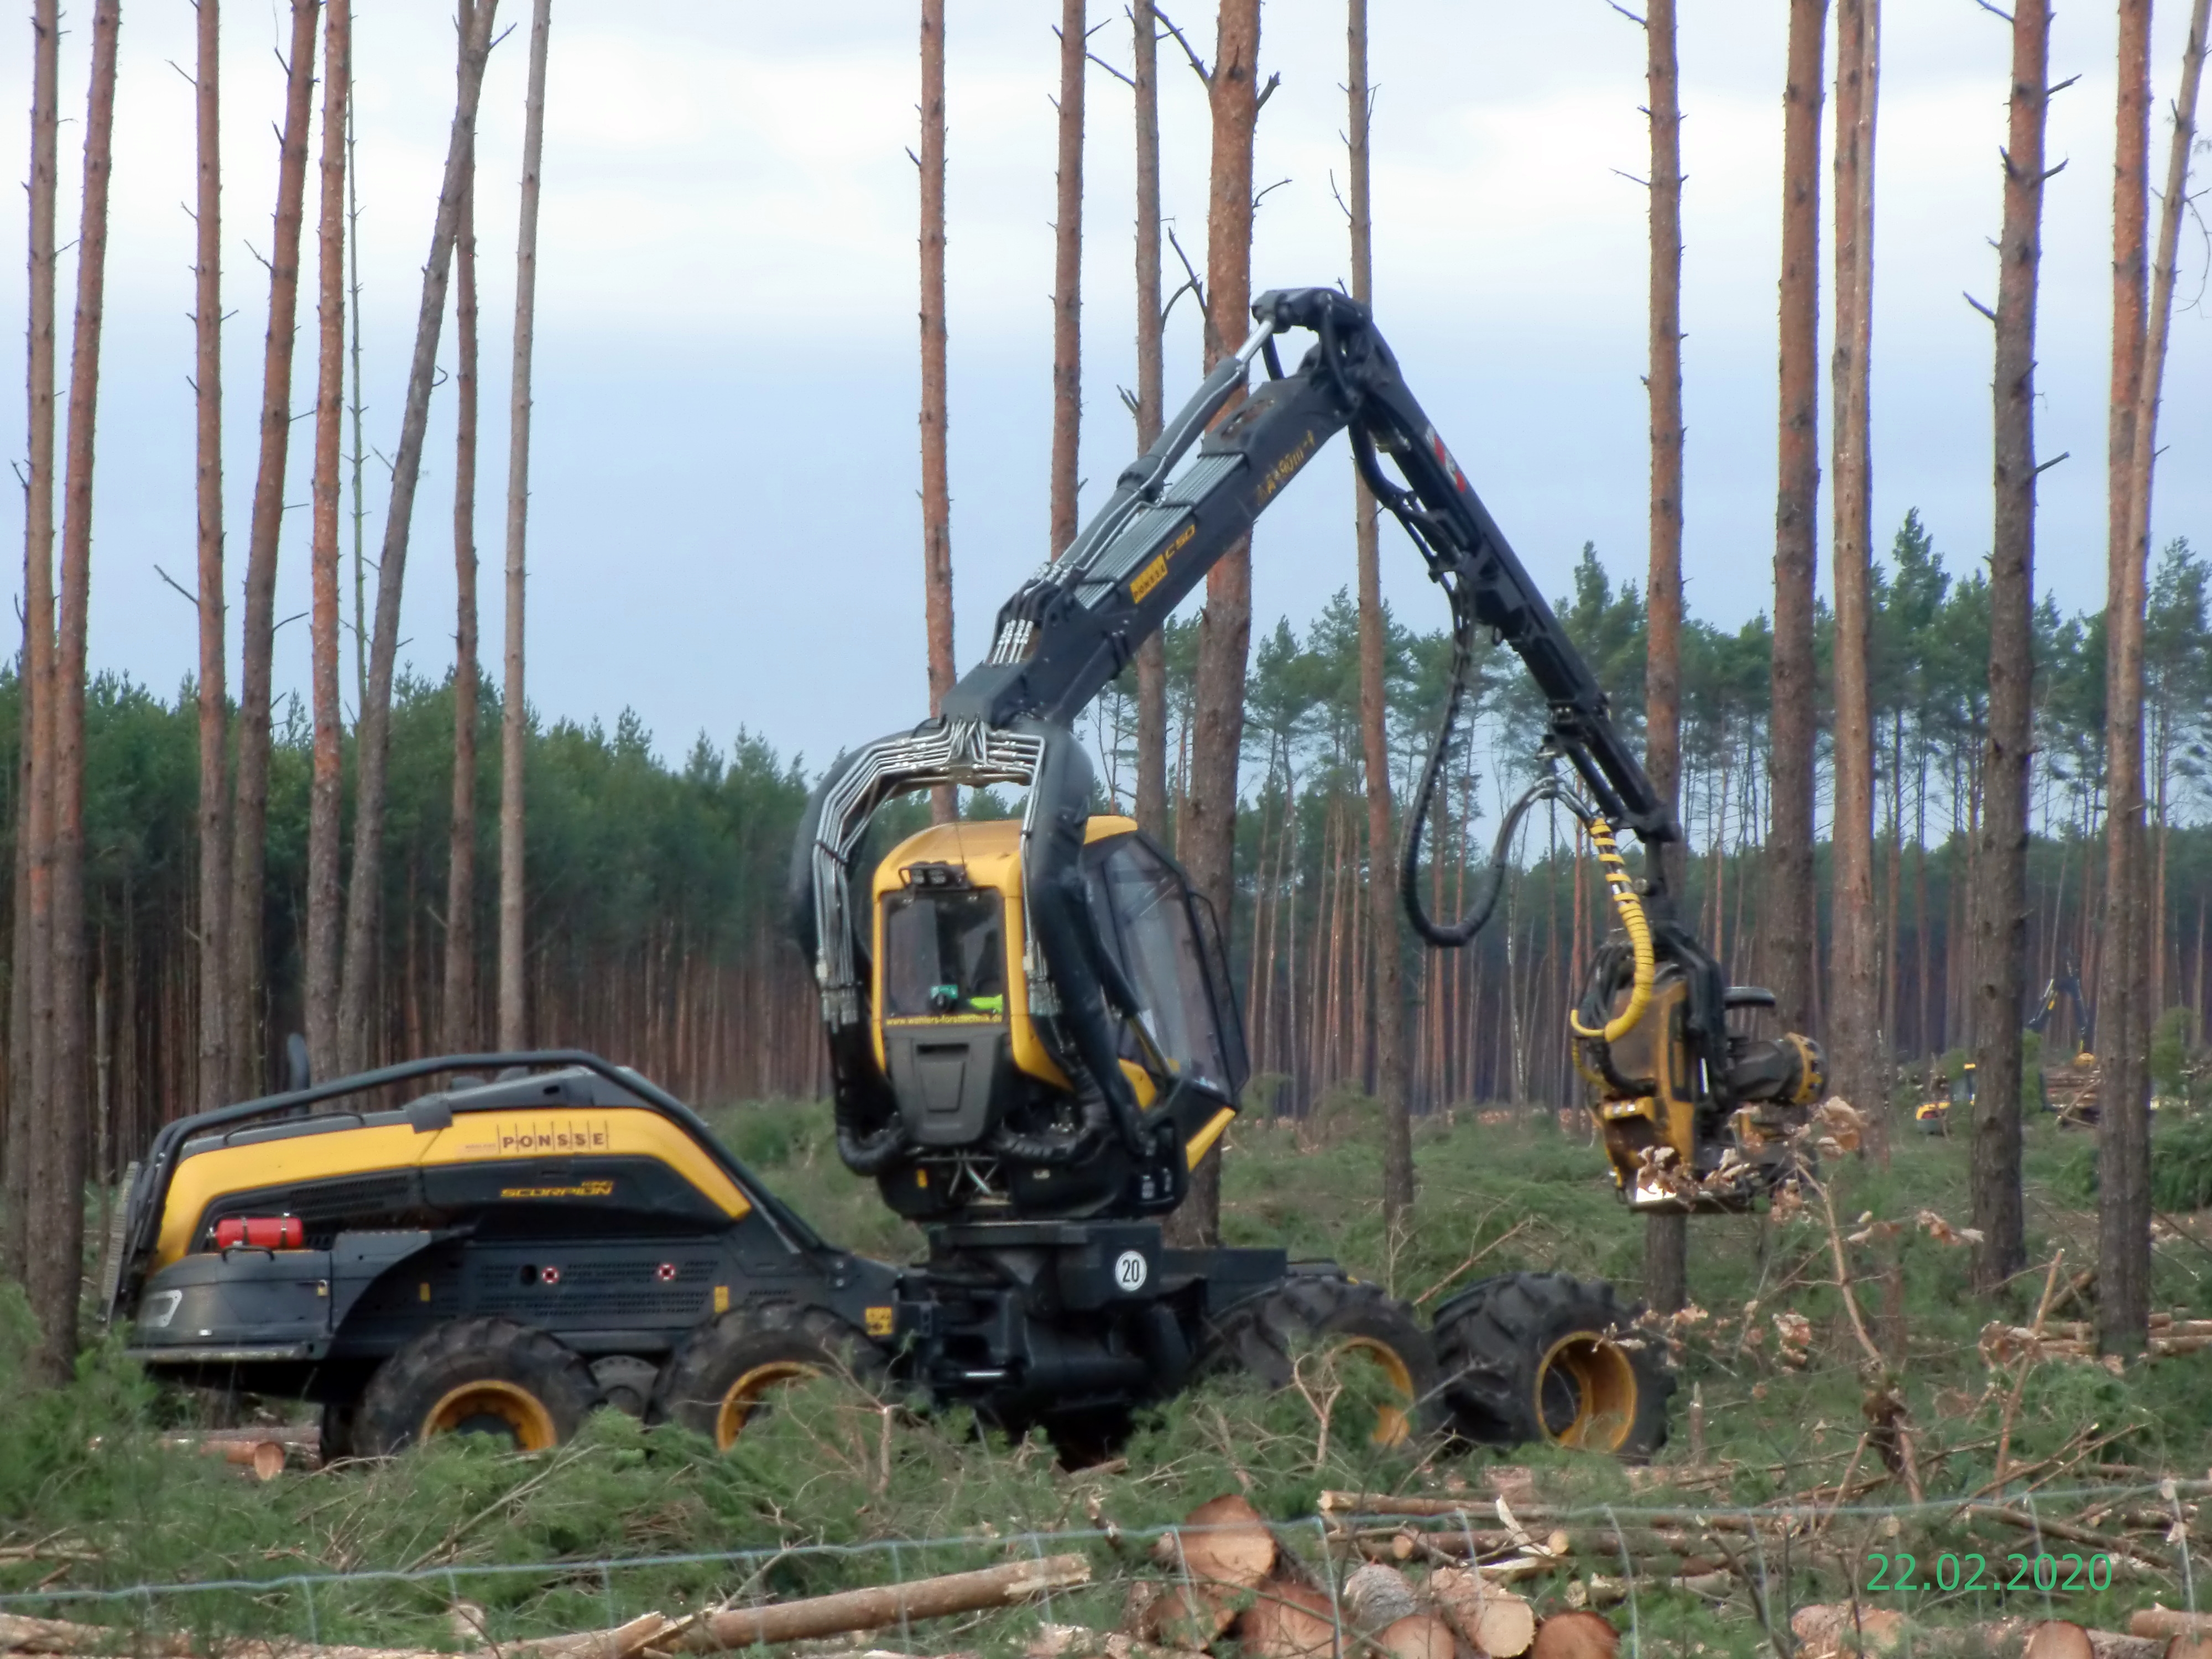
[1224, 627]
[1666, 1238]
[1789, 924]
[1390, 1069]
[1999, 886]
[1068, 280]
[326, 789]
[1151, 655]
[936, 475]
[1855, 1069]
[31, 995]
[214, 708]
[249, 815]
[56, 1212]
[372, 746]
[515, 730]
[2124, 1189]
[456, 1019]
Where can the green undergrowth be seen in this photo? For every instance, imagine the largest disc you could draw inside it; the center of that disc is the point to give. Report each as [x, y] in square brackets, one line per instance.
[91, 1498]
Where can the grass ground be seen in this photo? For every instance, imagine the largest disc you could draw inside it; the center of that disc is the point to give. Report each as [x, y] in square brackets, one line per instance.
[90, 1499]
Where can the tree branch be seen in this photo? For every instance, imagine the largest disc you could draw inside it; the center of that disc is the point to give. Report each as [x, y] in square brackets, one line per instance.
[1979, 305]
[1267, 91]
[191, 598]
[1629, 14]
[1124, 80]
[1993, 11]
[1197, 64]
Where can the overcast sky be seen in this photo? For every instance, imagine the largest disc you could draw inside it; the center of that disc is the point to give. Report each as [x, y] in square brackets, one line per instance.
[724, 528]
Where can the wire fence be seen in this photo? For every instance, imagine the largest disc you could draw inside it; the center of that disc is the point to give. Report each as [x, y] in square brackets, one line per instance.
[1631, 1560]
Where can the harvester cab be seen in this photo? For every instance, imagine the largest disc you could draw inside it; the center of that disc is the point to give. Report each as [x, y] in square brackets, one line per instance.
[988, 1117]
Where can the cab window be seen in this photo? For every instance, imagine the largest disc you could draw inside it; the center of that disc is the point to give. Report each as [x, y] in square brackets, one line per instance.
[944, 953]
[1143, 911]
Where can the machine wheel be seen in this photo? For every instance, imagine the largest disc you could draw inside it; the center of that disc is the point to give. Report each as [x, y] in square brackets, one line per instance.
[336, 1440]
[1536, 1357]
[474, 1377]
[625, 1383]
[1263, 1336]
[727, 1368]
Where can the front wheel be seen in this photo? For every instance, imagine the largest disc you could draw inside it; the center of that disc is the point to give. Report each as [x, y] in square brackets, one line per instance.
[1371, 1341]
[490, 1377]
[1549, 1357]
[728, 1369]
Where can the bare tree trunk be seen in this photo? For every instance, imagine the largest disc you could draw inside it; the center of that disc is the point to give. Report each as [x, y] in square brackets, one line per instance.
[1999, 884]
[1224, 627]
[371, 749]
[1151, 655]
[325, 790]
[57, 1218]
[1665, 1237]
[250, 817]
[936, 473]
[1855, 1069]
[2124, 1191]
[30, 999]
[1068, 279]
[457, 1023]
[514, 729]
[214, 708]
[1382, 888]
[1789, 922]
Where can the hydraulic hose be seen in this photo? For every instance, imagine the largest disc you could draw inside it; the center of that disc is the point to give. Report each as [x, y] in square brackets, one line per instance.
[1622, 888]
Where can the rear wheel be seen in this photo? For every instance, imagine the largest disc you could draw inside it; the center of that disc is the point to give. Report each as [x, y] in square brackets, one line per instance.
[728, 1369]
[490, 1376]
[1373, 1342]
[1546, 1356]
[625, 1383]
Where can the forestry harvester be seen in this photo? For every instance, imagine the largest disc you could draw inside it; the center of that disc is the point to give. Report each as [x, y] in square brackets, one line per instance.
[1034, 1042]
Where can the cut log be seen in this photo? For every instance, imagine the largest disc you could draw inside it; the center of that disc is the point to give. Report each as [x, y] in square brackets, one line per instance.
[1419, 1636]
[884, 1605]
[2057, 1639]
[1375, 1596]
[1489, 1619]
[1288, 1621]
[2169, 1622]
[1829, 1630]
[2189, 1647]
[1222, 1541]
[624, 1642]
[1183, 1616]
[1576, 1636]
[23, 1634]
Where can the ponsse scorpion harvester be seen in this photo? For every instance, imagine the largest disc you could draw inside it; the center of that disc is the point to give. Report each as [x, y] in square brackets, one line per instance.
[1033, 1042]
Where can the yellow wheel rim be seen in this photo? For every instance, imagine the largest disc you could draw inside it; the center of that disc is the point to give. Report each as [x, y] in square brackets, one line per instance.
[749, 1390]
[493, 1406]
[1393, 1423]
[1586, 1393]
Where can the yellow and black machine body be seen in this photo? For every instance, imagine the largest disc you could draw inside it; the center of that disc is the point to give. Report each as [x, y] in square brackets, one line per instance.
[1033, 1040]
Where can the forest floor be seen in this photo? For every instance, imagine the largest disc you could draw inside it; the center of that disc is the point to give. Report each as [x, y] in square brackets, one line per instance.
[1789, 1420]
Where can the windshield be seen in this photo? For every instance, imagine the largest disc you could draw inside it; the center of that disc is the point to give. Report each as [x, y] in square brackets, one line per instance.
[944, 953]
[1144, 912]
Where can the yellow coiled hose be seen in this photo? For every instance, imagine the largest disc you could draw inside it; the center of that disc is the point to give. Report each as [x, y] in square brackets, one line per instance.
[1622, 888]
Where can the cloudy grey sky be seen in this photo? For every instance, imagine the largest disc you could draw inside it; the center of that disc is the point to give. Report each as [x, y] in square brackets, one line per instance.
[724, 527]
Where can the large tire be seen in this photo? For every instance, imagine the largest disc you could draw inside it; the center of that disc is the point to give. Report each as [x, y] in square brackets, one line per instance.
[1549, 1357]
[1264, 1337]
[727, 1367]
[475, 1375]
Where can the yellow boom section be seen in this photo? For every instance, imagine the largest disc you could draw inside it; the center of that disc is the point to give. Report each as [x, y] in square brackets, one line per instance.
[471, 1137]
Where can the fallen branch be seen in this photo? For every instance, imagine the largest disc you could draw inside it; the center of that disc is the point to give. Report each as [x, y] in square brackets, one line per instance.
[880, 1606]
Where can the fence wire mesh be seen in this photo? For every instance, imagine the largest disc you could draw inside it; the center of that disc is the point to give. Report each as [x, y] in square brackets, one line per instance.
[1672, 1577]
